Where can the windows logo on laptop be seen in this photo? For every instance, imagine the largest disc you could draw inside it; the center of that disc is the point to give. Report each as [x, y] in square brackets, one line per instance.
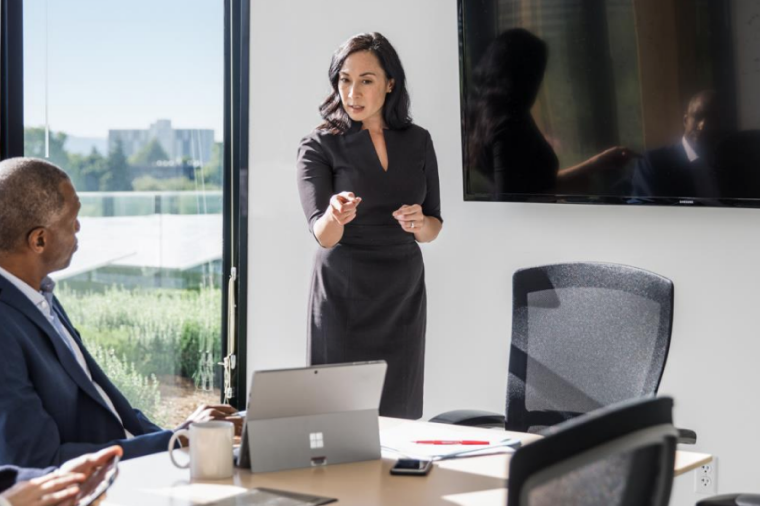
[317, 440]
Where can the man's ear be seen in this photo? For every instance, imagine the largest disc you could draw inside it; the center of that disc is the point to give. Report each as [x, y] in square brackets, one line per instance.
[37, 239]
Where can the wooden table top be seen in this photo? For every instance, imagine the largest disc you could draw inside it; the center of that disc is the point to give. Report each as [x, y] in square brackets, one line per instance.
[154, 481]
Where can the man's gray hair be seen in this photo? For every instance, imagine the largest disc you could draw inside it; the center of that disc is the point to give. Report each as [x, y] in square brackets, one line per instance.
[30, 197]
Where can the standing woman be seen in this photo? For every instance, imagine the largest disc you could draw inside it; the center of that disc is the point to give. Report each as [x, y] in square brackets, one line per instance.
[368, 181]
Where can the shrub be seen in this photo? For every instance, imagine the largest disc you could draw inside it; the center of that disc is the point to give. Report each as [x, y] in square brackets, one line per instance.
[160, 332]
[141, 391]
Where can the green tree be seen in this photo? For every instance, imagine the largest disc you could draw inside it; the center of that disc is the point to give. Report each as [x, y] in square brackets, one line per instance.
[212, 171]
[119, 173]
[149, 154]
[34, 145]
[91, 171]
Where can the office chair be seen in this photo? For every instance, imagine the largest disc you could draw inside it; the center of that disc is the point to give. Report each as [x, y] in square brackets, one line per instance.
[584, 336]
[619, 455]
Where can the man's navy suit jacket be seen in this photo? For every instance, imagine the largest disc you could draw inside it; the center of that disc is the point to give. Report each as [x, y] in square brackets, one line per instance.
[667, 172]
[50, 411]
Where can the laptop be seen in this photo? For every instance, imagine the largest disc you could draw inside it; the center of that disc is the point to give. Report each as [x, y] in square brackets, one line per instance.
[312, 416]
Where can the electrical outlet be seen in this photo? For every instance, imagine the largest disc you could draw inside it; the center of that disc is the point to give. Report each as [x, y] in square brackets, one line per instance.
[706, 478]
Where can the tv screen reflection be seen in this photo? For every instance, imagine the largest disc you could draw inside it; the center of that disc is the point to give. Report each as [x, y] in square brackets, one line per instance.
[617, 101]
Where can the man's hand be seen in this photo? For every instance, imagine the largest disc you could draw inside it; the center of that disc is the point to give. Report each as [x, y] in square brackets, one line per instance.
[206, 413]
[52, 489]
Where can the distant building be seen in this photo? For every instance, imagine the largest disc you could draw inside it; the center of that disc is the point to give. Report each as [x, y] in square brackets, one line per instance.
[195, 145]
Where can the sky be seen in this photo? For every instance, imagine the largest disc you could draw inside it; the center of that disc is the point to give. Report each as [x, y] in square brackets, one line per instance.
[123, 64]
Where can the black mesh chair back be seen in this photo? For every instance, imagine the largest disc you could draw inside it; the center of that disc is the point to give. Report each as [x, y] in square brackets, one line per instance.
[621, 455]
[584, 336]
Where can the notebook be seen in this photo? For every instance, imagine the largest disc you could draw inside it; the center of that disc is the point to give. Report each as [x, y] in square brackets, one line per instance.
[272, 497]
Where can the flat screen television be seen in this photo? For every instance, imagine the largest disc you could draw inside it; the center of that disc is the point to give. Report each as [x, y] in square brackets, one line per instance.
[611, 101]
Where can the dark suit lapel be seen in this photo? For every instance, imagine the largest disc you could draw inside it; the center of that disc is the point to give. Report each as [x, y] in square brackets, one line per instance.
[66, 322]
[127, 414]
[120, 403]
[13, 297]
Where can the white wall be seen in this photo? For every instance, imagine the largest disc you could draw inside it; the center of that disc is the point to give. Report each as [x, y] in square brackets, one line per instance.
[710, 254]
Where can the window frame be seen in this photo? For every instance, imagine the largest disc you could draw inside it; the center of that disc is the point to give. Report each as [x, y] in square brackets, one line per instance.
[235, 157]
[236, 107]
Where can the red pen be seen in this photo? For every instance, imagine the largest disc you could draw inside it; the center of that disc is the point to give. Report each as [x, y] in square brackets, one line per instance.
[440, 442]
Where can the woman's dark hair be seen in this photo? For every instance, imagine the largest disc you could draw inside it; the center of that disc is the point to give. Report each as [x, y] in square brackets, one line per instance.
[505, 85]
[396, 107]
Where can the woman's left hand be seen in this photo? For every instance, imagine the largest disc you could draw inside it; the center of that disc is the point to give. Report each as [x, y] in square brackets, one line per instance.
[410, 218]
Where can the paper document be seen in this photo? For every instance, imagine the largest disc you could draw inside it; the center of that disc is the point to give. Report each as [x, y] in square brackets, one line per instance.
[400, 440]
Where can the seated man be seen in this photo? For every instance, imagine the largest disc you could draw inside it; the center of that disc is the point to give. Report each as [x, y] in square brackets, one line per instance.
[32, 487]
[686, 168]
[55, 401]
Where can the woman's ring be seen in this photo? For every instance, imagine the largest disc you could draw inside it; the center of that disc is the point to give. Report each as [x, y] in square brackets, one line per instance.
[412, 224]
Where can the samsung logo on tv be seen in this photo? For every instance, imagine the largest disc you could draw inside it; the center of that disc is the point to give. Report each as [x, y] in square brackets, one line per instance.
[685, 201]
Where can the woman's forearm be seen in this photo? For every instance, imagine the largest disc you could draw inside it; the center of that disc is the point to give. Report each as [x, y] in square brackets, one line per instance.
[430, 229]
[328, 230]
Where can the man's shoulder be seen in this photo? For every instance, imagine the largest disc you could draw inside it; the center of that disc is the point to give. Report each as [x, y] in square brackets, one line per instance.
[10, 298]
[8, 311]
[16, 330]
[16, 325]
[8, 291]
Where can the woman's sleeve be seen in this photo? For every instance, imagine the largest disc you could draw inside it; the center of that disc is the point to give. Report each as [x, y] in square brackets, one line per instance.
[315, 179]
[432, 204]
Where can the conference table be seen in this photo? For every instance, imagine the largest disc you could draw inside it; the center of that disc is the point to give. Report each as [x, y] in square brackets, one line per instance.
[154, 481]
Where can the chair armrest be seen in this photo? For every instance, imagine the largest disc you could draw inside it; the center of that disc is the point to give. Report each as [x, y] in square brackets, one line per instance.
[731, 500]
[471, 418]
[687, 437]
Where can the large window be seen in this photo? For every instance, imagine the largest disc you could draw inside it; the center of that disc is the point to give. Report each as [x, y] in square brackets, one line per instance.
[132, 100]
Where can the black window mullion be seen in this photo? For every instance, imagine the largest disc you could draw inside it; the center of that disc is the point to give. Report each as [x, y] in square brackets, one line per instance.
[11, 80]
[236, 185]
[242, 195]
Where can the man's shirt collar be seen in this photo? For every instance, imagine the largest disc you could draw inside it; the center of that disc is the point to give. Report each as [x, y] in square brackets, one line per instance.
[690, 153]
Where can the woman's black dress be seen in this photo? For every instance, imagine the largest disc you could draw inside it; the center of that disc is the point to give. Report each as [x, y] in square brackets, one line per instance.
[368, 291]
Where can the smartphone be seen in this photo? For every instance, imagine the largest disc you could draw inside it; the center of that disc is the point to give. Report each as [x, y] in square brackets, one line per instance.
[412, 467]
[98, 482]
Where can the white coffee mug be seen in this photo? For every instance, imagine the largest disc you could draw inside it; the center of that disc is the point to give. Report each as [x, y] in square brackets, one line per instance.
[210, 450]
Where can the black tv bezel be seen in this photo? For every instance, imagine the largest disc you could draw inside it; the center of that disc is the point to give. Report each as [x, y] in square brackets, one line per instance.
[548, 198]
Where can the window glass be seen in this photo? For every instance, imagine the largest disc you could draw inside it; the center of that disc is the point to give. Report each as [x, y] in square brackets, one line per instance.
[127, 97]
